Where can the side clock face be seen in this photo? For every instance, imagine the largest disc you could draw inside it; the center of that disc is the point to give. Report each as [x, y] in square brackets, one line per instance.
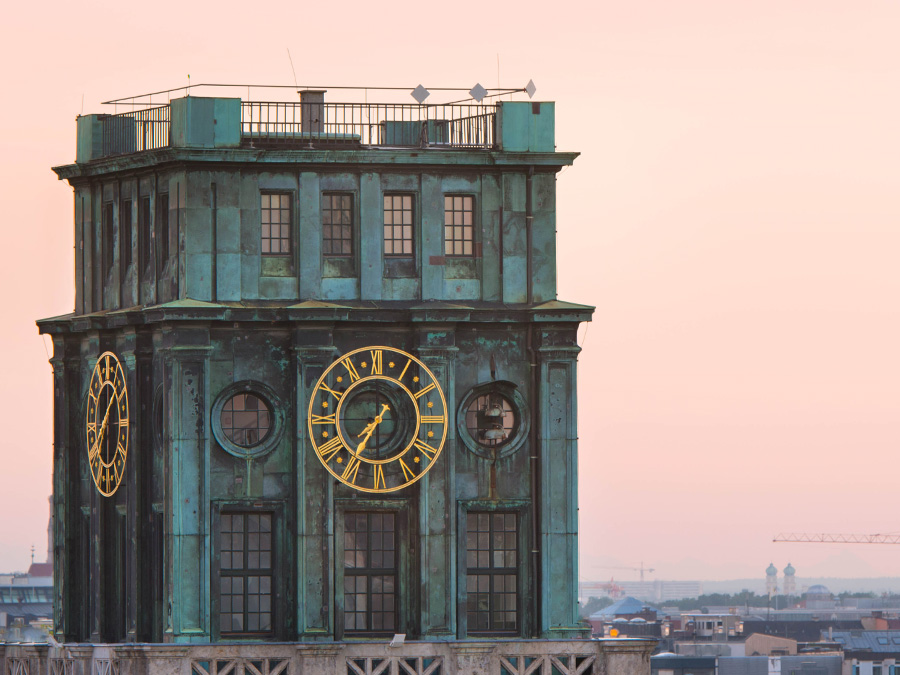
[377, 419]
[106, 424]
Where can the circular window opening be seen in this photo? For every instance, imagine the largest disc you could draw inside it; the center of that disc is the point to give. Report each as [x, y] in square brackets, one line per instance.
[246, 420]
[491, 420]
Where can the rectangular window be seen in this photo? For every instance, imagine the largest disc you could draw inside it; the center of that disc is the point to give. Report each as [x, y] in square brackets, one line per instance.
[398, 225]
[162, 229]
[108, 238]
[275, 223]
[144, 232]
[370, 573]
[125, 232]
[491, 572]
[459, 228]
[337, 224]
[246, 573]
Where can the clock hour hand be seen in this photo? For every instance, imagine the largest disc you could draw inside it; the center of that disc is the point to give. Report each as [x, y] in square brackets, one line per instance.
[370, 428]
[95, 449]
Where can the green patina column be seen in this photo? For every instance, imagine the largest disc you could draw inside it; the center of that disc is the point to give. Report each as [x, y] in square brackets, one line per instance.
[558, 441]
[187, 371]
[312, 352]
[437, 533]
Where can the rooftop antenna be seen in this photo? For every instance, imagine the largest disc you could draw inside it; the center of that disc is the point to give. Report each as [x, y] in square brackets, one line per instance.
[32, 554]
[297, 86]
[188, 90]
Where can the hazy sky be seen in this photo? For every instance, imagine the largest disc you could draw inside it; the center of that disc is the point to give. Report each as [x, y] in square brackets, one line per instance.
[734, 217]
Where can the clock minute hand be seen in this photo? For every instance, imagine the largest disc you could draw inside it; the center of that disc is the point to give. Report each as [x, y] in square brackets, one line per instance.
[370, 428]
[95, 449]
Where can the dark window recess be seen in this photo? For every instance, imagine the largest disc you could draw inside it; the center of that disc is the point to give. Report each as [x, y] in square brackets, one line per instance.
[246, 420]
[459, 227]
[491, 419]
[491, 573]
[162, 228]
[398, 225]
[108, 238]
[370, 573]
[246, 573]
[125, 232]
[275, 224]
[337, 224]
[144, 232]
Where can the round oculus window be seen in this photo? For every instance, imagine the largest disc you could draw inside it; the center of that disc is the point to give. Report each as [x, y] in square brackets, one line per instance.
[246, 420]
[491, 419]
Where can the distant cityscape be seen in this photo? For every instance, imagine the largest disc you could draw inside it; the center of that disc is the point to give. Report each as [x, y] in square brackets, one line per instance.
[776, 624]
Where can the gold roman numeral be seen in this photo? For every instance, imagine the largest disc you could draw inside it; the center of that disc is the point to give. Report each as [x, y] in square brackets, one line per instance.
[351, 369]
[329, 449]
[403, 372]
[434, 419]
[324, 419]
[407, 472]
[425, 449]
[336, 394]
[379, 477]
[424, 391]
[350, 472]
[376, 361]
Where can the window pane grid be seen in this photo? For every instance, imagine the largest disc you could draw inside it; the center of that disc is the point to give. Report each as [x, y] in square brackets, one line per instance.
[398, 225]
[337, 224]
[459, 226]
[245, 561]
[492, 572]
[275, 223]
[370, 573]
[246, 420]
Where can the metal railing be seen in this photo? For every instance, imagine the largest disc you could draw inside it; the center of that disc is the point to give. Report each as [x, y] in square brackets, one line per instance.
[147, 129]
[365, 124]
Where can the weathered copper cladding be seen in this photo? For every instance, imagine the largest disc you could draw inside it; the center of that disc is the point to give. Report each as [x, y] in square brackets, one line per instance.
[205, 319]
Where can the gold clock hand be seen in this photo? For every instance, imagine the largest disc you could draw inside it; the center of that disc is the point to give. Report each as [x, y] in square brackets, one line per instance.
[96, 447]
[370, 428]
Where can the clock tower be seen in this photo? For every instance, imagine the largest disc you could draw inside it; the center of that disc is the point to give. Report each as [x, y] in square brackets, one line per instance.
[318, 390]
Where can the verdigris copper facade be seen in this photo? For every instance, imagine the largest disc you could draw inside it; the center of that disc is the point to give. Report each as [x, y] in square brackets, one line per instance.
[228, 266]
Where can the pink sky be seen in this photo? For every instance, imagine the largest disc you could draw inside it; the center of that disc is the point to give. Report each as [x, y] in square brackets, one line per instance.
[734, 216]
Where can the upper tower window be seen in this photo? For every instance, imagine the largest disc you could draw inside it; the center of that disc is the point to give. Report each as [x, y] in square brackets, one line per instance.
[275, 223]
[337, 224]
[144, 233]
[125, 232]
[398, 225]
[108, 237]
[162, 229]
[459, 229]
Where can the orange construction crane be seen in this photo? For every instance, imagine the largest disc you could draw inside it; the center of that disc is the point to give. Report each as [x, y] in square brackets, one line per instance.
[839, 538]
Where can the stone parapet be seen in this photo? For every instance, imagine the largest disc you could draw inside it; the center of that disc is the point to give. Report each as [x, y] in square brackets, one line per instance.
[496, 657]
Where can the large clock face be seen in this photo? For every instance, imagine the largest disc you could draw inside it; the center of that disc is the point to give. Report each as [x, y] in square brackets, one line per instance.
[377, 419]
[106, 424]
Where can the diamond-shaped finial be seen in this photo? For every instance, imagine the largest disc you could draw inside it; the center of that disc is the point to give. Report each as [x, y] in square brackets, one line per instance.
[530, 89]
[420, 93]
[478, 92]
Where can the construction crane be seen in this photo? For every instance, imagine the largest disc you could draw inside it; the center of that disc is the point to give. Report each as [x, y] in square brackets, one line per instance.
[640, 569]
[819, 538]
